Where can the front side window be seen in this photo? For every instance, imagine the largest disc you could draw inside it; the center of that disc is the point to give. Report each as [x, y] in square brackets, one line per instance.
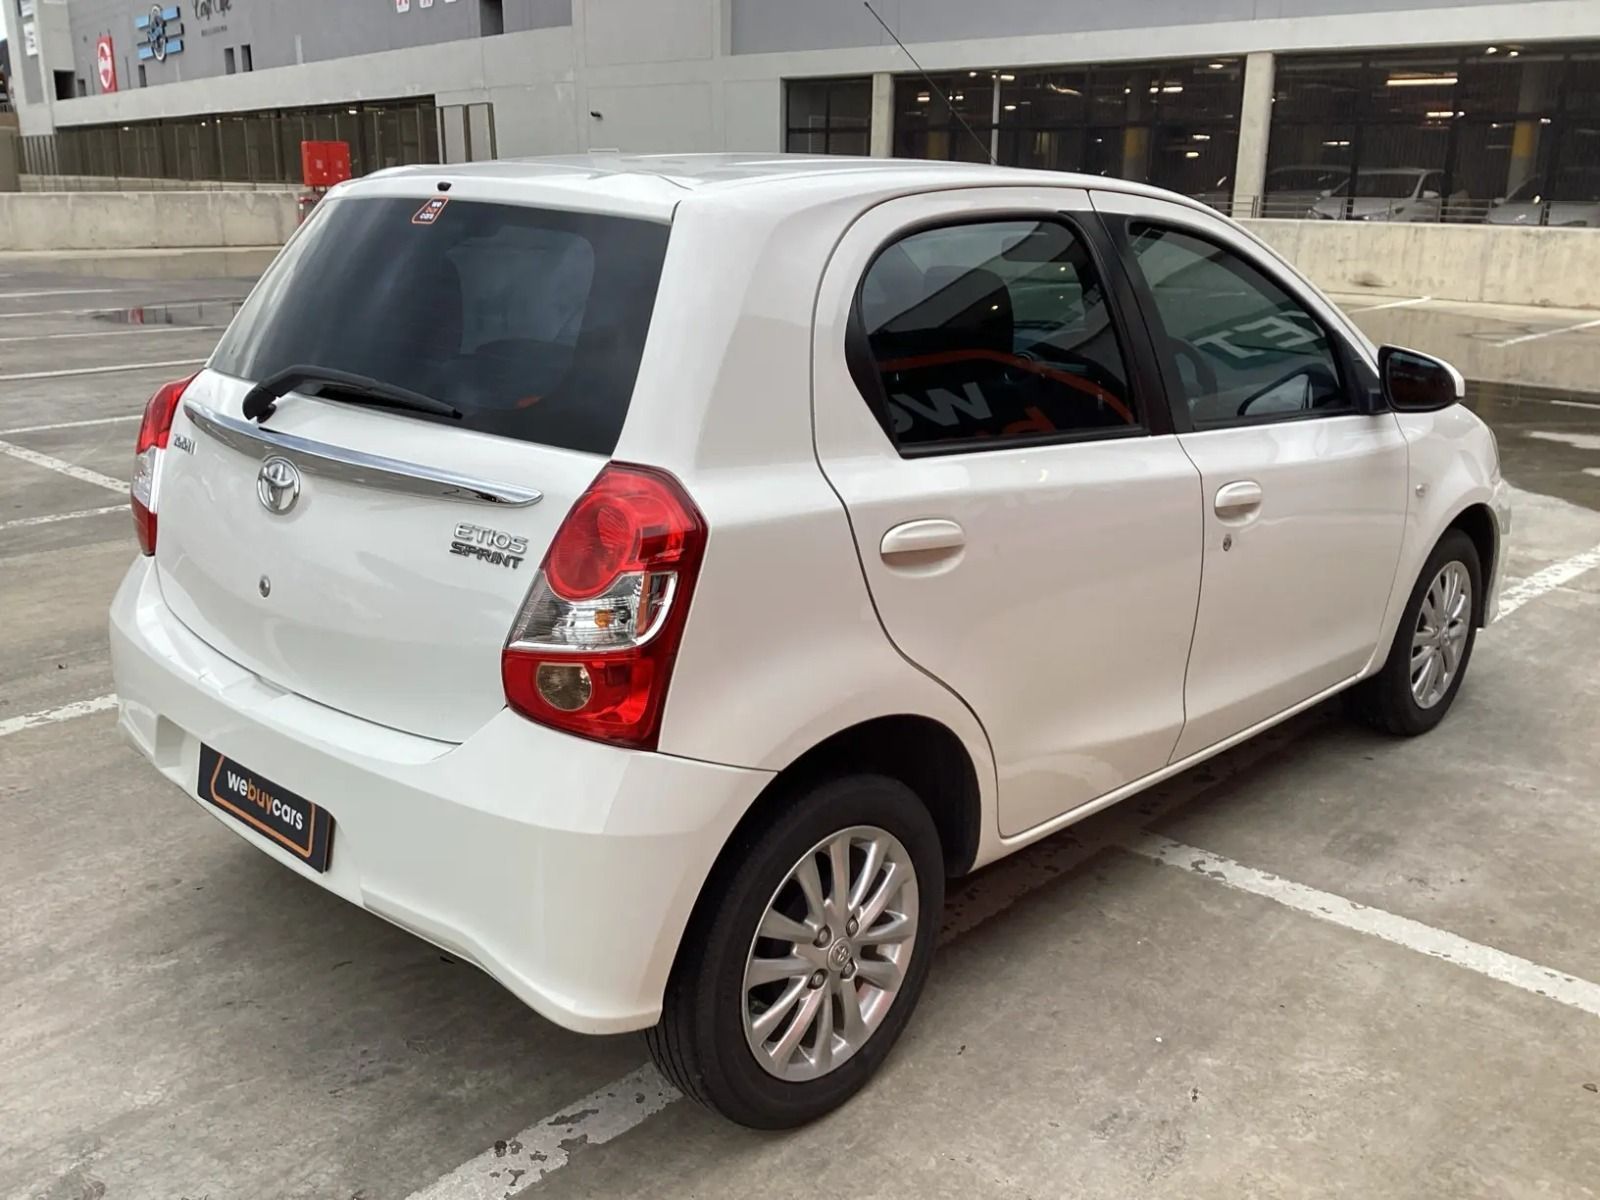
[988, 334]
[1242, 347]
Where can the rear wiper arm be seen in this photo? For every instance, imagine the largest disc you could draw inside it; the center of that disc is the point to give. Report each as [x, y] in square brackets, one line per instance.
[262, 400]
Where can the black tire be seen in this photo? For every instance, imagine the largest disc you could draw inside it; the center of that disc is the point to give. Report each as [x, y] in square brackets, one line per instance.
[1385, 701]
[700, 1043]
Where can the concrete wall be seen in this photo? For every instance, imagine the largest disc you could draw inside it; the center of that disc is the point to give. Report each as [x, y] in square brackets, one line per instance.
[144, 220]
[762, 26]
[1554, 267]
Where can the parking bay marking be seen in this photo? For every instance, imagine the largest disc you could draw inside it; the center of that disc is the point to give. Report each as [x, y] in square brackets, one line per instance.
[1547, 580]
[71, 424]
[109, 370]
[1544, 333]
[52, 518]
[78, 708]
[62, 467]
[96, 333]
[1402, 931]
[1392, 304]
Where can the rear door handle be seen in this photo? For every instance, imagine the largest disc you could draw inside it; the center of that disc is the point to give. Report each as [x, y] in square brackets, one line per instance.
[922, 537]
[1238, 499]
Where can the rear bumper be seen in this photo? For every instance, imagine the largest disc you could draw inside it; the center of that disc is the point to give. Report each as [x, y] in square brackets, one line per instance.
[564, 868]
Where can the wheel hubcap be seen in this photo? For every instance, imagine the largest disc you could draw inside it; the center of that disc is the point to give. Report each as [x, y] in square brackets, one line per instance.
[830, 953]
[1440, 637]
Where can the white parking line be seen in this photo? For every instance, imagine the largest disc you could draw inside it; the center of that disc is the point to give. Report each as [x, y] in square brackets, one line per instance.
[78, 708]
[544, 1148]
[159, 304]
[70, 424]
[96, 333]
[110, 370]
[1402, 931]
[1533, 337]
[1392, 304]
[68, 292]
[62, 467]
[1574, 404]
[1547, 580]
[52, 518]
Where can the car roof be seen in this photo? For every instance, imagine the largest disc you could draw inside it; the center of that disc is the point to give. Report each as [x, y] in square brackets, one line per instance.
[652, 186]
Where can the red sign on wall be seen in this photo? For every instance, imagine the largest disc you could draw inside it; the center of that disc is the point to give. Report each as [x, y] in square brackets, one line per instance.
[106, 60]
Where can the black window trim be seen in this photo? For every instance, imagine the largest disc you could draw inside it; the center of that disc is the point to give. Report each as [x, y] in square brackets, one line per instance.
[1138, 357]
[1355, 375]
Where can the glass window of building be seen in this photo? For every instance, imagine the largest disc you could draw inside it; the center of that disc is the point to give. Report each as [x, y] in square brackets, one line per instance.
[1174, 124]
[829, 116]
[1504, 133]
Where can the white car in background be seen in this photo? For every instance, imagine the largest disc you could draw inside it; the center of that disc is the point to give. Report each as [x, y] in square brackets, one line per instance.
[651, 579]
[1385, 194]
[1531, 204]
[1286, 192]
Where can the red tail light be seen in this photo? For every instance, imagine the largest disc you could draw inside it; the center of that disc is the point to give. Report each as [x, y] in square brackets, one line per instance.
[592, 649]
[154, 431]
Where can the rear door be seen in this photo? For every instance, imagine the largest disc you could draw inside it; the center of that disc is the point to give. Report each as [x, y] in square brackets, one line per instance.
[373, 560]
[1305, 496]
[1029, 528]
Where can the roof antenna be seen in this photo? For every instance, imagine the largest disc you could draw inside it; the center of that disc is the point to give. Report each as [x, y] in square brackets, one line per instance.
[988, 154]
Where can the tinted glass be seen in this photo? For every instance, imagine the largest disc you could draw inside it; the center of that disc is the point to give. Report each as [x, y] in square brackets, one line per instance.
[529, 321]
[1243, 348]
[829, 116]
[989, 331]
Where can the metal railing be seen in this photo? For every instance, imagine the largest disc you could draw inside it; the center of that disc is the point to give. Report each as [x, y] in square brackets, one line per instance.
[1461, 210]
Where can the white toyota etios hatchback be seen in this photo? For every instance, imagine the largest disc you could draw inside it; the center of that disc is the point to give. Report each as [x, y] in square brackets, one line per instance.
[651, 579]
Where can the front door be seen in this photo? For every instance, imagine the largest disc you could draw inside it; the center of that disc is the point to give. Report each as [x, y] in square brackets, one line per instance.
[1028, 525]
[1304, 495]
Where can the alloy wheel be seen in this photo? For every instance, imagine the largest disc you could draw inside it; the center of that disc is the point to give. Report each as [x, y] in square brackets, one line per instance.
[830, 953]
[1440, 637]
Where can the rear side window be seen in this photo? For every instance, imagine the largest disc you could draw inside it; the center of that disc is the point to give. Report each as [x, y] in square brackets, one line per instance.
[530, 321]
[989, 334]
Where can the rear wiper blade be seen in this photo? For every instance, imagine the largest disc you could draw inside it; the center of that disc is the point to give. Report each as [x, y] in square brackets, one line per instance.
[262, 400]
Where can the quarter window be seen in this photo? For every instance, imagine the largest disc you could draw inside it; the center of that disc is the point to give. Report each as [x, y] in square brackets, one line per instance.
[989, 334]
[1242, 348]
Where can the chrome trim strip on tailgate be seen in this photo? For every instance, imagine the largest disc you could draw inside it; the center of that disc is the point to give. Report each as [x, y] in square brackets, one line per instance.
[356, 466]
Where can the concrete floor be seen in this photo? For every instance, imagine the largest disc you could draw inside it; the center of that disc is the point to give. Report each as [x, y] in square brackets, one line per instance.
[181, 1017]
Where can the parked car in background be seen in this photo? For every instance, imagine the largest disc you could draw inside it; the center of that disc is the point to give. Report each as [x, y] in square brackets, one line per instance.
[650, 579]
[1573, 202]
[1286, 192]
[1385, 194]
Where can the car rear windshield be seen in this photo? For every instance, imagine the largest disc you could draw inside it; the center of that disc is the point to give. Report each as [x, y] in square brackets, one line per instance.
[530, 321]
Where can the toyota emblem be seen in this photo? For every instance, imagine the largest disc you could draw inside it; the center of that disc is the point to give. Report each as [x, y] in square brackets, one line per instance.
[278, 485]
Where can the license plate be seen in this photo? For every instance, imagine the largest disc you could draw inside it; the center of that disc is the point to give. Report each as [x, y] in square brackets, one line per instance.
[296, 824]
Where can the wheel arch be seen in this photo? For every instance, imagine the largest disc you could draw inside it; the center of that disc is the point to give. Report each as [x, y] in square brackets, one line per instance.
[923, 753]
[1477, 521]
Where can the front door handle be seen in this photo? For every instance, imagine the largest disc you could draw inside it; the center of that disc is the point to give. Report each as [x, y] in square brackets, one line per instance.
[1238, 499]
[922, 537]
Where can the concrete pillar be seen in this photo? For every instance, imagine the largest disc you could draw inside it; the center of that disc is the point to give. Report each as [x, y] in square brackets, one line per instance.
[10, 159]
[881, 141]
[1137, 110]
[1535, 94]
[1255, 128]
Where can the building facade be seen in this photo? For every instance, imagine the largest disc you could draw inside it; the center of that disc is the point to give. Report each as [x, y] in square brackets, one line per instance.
[1408, 109]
